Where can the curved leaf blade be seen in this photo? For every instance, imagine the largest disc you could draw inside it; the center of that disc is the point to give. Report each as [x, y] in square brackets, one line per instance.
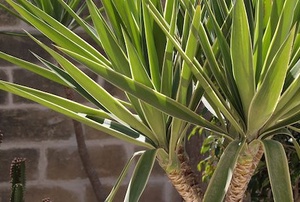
[63, 102]
[282, 27]
[148, 95]
[108, 40]
[241, 55]
[153, 58]
[268, 94]
[80, 21]
[99, 93]
[68, 79]
[57, 32]
[56, 103]
[191, 51]
[278, 170]
[141, 175]
[33, 68]
[121, 177]
[198, 72]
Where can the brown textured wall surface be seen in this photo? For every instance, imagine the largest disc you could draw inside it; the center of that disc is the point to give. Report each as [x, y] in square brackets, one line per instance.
[46, 139]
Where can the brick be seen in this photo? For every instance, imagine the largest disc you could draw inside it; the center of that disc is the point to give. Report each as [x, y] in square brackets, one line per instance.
[37, 193]
[158, 171]
[3, 94]
[56, 194]
[67, 159]
[32, 158]
[34, 125]
[90, 195]
[108, 162]
[5, 194]
[153, 192]
[20, 46]
[7, 18]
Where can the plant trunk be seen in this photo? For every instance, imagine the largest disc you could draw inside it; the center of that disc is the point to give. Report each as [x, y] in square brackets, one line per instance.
[184, 180]
[84, 155]
[243, 171]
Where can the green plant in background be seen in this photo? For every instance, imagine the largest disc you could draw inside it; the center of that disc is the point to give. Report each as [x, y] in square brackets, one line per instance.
[212, 149]
[241, 58]
[18, 180]
[55, 10]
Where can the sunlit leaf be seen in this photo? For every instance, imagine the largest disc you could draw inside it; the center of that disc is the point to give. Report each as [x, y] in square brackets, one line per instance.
[241, 56]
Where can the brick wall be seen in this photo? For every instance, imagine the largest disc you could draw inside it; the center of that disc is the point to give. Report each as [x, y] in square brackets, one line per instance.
[46, 139]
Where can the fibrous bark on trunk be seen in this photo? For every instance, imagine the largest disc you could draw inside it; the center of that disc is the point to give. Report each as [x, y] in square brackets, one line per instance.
[244, 170]
[184, 180]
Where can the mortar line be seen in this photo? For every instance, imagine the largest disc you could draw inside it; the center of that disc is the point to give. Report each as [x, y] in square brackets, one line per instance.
[43, 163]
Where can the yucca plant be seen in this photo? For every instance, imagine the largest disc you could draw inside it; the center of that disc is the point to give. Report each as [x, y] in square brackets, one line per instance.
[239, 58]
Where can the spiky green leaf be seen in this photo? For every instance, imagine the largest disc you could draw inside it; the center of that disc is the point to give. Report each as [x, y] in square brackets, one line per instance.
[278, 170]
[140, 176]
